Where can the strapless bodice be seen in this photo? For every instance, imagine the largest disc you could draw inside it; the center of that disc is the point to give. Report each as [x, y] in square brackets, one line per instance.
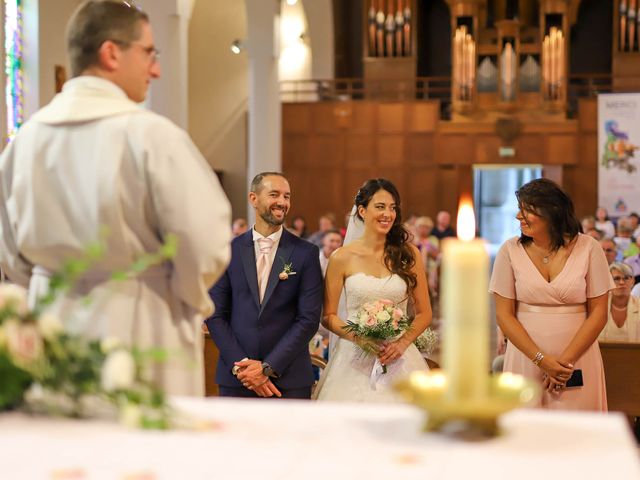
[361, 288]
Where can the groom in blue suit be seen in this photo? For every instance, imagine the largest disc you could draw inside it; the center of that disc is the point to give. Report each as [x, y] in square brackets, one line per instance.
[267, 303]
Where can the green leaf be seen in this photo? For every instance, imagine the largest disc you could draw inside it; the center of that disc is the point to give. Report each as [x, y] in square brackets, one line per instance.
[15, 383]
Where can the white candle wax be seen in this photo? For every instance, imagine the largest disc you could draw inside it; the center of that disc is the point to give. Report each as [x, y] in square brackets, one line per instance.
[465, 308]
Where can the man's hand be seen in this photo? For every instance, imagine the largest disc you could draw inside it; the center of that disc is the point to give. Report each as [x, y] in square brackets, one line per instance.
[251, 376]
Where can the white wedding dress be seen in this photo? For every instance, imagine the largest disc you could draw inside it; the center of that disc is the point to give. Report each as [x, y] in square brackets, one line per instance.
[348, 375]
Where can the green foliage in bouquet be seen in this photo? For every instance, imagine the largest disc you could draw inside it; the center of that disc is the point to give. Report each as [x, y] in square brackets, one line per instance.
[53, 370]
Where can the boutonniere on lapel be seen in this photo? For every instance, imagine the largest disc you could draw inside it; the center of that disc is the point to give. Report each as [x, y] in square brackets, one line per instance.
[287, 269]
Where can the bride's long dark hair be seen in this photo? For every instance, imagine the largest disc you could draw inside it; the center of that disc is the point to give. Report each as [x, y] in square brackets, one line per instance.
[398, 256]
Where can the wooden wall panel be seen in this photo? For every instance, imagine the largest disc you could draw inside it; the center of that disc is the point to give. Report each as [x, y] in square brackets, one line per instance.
[419, 149]
[588, 151]
[454, 149]
[331, 148]
[391, 118]
[424, 117]
[581, 183]
[297, 118]
[295, 151]
[486, 149]
[323, 117]
[529, 149]
[364, 117]
[390, 150]
[360, 150]
[449, 190]
[326, 151]
[343, 115]
[562, 149]
[422, 193]
[588, 115]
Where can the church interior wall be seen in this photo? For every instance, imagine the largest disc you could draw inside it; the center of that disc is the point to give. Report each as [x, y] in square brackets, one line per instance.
[218, 93]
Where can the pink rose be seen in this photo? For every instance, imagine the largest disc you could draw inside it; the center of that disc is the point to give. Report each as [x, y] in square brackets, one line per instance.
[386, 302]
[397, 314]
[24, 342]
[371, 321]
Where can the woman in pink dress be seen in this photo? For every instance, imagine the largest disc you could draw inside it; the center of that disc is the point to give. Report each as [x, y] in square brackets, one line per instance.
[550, 287]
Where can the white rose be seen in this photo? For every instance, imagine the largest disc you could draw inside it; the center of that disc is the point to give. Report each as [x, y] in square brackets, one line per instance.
[131, 415]
[118, 371]
[15, 295]
[50, 326]
[24, 342]
[35, 393]
[383, 316]
[109, 344]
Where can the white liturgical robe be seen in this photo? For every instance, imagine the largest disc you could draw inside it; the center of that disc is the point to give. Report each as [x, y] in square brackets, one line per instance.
[90, 166]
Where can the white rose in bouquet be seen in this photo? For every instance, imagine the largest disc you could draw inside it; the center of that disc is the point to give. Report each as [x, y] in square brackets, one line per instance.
[50, 326]
[13, 295]
[383, 316]
[118, 371]
[24, 343]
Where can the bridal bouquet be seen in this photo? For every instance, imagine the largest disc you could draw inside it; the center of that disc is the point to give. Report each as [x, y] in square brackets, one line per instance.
[47, 369]
[379, 320]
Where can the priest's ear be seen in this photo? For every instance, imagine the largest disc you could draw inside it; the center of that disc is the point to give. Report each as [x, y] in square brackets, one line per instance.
[110, 55]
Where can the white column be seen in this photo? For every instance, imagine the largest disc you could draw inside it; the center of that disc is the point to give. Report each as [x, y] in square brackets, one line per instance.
[168, 95]
[319, 15]
[265, 124]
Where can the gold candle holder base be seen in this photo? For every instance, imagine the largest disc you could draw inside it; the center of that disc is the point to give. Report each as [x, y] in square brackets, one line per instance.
[428, 391]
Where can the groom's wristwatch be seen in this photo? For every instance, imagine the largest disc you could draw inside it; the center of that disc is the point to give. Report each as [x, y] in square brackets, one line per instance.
[267, 371]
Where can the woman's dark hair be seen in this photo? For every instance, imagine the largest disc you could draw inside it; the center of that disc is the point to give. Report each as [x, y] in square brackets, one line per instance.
[398, 256]
[546, 199]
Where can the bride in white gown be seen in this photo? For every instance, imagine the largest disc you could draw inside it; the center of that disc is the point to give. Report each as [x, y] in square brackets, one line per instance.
[380, 264]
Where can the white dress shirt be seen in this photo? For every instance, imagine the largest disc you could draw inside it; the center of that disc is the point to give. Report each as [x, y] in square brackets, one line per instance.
[324, 263]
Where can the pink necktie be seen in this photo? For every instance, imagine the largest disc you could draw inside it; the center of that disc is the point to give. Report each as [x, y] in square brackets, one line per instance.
[265, 245]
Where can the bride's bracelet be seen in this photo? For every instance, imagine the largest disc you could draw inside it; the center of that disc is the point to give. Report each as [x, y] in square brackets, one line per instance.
[537, 359]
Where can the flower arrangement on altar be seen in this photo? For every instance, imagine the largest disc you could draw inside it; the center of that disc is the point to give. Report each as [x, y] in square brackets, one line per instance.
[427, 341]
[46, 369]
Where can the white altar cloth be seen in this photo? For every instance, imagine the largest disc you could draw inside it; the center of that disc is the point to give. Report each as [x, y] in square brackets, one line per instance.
[268, 439]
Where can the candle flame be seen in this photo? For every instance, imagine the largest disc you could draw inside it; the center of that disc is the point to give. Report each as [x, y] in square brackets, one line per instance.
[466, 220]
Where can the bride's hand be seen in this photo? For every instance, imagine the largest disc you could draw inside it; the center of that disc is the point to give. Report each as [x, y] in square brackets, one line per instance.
[391, 352]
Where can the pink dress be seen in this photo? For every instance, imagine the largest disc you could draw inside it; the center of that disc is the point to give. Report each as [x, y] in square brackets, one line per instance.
[552, 312]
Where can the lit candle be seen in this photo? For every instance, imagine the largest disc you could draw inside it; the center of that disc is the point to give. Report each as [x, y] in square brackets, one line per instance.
[465, 306]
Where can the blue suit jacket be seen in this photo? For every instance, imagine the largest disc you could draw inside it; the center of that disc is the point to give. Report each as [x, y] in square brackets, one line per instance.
[279, 330]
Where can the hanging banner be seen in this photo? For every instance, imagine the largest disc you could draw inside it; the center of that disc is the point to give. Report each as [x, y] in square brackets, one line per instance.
[618, 155]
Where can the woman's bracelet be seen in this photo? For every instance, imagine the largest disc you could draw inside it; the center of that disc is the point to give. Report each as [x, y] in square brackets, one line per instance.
[537, 359]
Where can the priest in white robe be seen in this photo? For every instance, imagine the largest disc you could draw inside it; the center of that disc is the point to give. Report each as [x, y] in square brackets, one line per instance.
[95, 166]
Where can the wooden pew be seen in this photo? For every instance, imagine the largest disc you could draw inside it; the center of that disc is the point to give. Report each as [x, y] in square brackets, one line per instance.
[622, 374]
